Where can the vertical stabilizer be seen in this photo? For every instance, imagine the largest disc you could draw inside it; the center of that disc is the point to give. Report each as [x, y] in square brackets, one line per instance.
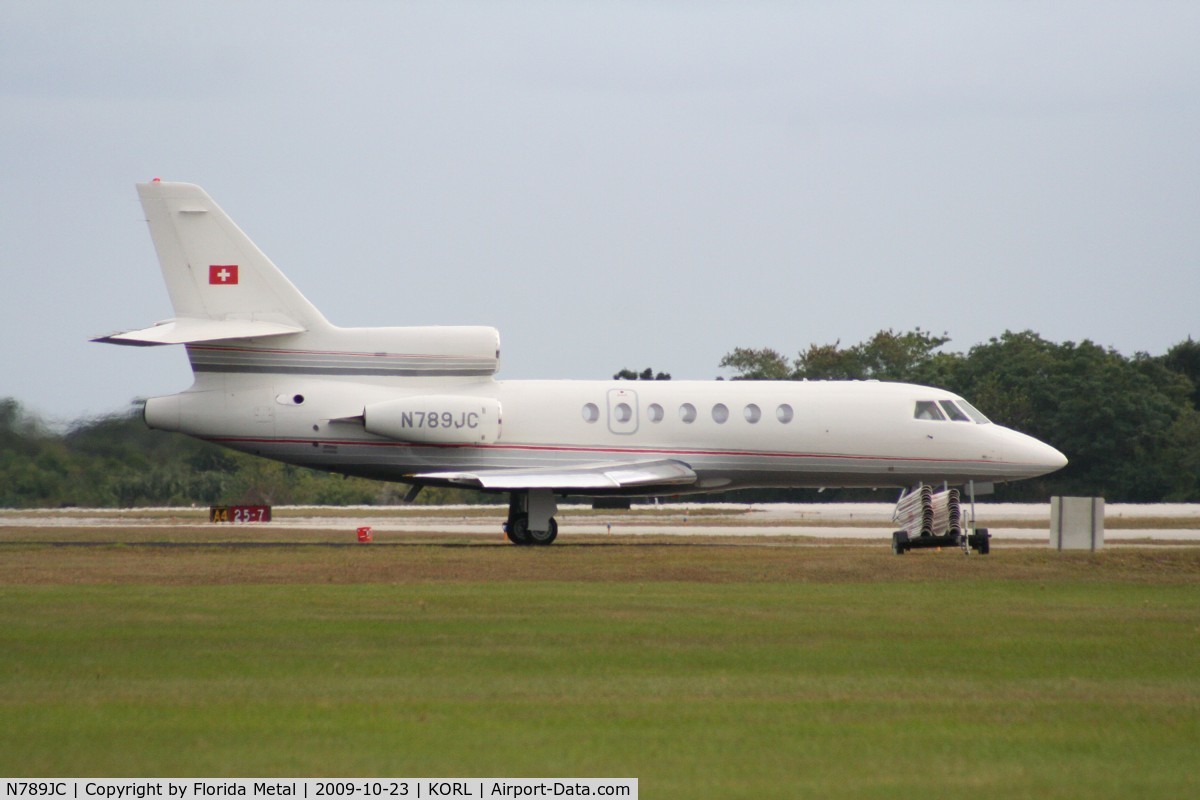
[212, 269]
[237, 313]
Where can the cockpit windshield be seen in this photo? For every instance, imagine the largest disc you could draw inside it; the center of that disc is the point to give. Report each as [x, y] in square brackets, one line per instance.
[954, 410]
[973, 412]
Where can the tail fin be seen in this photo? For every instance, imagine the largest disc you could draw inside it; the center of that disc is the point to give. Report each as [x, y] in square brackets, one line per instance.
[221, 285]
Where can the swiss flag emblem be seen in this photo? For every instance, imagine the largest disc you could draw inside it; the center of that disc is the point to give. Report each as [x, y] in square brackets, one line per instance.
[222, 274]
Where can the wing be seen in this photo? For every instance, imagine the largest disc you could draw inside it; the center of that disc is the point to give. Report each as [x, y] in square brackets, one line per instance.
[608, 476]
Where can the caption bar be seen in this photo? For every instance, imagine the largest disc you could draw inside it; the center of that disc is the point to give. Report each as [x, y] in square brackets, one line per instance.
[318, 789]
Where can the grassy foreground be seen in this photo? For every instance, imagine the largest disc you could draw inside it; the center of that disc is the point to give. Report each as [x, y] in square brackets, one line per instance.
[738, 672]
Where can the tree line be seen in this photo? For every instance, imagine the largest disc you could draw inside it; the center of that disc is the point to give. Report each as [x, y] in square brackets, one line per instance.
[1129, 425]
[116, 461]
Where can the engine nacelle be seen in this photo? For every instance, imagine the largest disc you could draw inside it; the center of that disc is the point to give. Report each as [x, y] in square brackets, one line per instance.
[432, 351]
[435, 419]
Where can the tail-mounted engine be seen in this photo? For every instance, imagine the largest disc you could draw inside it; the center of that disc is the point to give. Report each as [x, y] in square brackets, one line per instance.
[435, 419]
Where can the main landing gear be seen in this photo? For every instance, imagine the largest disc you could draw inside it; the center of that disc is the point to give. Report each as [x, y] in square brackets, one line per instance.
[531, 517]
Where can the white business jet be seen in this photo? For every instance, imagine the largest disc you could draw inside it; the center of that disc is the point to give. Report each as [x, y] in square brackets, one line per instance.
[421, 405]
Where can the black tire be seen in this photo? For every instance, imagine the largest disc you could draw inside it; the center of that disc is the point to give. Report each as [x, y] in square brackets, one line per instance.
[899, 543]
[983, 542]
[517, 529]
[545, 537]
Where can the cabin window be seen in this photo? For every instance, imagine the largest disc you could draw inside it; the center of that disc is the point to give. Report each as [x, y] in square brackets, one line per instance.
[622, 412]
[953, 412]
[927, 409]
[687, 412]
[591, 412]
[655, 412]
[752, 413]
[720, 413]
[784, 413]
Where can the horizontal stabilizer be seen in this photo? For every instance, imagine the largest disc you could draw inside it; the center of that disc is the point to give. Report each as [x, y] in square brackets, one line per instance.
[187, 330]
[579, 477]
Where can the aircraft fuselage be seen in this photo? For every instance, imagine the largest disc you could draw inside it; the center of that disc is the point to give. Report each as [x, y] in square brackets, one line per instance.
[733, 434]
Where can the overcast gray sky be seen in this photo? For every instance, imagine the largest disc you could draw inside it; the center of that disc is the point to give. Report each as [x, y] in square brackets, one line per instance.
[610, 184]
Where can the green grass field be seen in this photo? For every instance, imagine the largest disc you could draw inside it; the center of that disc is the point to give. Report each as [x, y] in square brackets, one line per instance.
[770, 670]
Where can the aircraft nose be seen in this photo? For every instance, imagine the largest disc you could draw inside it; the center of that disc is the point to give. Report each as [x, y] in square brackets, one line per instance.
[1041, 457]
[1051, 458]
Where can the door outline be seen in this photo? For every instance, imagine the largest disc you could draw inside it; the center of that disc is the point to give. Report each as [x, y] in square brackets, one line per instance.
[629, 398]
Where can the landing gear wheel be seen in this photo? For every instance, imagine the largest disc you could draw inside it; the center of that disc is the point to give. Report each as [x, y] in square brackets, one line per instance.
[899, 543]
[517, 529]
[546, 536]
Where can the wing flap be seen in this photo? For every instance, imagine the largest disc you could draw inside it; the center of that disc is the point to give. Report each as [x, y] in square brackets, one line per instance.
[606, 476]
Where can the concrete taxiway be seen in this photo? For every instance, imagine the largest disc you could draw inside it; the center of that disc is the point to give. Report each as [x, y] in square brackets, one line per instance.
[1027, 523]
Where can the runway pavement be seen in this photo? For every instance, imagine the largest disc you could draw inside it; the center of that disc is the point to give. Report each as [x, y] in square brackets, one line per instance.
[1019, 522]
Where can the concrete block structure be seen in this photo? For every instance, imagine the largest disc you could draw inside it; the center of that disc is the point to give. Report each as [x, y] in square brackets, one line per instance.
[1077, 523]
